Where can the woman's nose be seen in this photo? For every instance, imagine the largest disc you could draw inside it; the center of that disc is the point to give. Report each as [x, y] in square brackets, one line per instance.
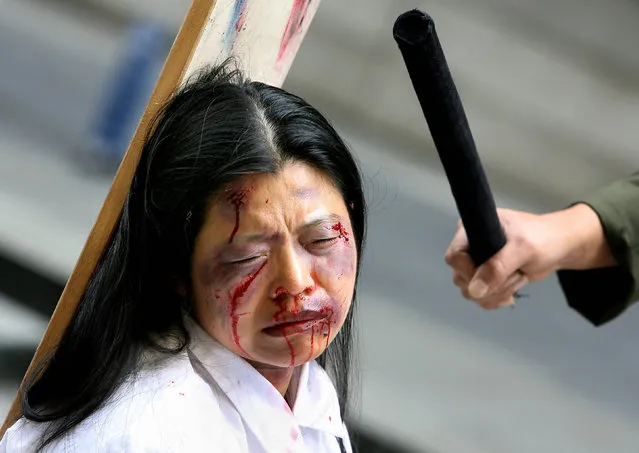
[294, 273]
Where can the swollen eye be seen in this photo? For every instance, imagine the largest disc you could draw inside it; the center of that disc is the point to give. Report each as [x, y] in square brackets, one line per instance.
[247, 260]
[324, 242]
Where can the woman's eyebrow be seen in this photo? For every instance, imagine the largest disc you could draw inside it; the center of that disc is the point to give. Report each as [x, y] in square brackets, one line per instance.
[322, 219]
[315, 221]
[256, 237]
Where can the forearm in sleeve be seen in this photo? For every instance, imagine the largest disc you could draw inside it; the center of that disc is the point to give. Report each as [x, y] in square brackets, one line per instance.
[601, 295]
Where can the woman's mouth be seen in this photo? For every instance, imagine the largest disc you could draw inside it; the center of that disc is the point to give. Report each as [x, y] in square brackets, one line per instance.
[295, 323]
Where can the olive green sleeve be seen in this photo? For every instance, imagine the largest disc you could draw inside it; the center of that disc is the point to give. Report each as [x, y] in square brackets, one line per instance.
[601, 295]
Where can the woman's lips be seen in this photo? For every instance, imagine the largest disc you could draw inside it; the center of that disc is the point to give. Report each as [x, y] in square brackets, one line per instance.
[291, 323]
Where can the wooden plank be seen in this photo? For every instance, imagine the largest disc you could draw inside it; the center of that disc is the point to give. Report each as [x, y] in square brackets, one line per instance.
[263, 38]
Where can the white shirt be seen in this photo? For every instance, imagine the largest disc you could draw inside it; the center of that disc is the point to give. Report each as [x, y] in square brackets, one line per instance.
[206, 399]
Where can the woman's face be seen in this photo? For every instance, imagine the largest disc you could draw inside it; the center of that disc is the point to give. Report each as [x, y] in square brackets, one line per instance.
[274, 266]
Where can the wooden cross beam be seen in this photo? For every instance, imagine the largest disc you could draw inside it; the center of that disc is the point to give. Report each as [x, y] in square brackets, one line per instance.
[264, 37]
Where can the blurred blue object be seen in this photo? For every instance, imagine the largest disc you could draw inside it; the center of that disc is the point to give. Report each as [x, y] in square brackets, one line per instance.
[127, 92]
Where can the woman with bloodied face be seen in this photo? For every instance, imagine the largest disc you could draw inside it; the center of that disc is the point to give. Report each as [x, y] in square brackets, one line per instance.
[220, 317]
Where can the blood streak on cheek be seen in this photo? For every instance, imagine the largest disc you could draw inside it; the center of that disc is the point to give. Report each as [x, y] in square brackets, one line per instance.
[290, 348]
[235, 298]
[326, 325]
[310, 355]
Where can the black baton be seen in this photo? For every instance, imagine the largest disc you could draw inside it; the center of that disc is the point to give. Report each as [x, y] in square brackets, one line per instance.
[417, 39]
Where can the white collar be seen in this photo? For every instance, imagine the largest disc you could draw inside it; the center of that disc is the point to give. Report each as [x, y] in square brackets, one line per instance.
[258, 402]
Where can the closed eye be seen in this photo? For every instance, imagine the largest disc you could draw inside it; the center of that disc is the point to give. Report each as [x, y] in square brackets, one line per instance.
[325, 241]
[321, 244]
[247, 260]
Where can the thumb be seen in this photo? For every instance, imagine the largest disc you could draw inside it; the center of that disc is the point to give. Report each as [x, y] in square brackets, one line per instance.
[491, 276]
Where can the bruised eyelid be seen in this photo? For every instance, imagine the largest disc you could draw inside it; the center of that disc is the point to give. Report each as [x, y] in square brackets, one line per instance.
[318, 232]
[242, 252]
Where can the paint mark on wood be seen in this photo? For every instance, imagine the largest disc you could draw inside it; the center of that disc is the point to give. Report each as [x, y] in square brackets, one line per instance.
[235, 25]
[294, 25]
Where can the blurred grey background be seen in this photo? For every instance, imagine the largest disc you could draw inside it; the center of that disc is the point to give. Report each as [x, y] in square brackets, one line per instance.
[551, 90]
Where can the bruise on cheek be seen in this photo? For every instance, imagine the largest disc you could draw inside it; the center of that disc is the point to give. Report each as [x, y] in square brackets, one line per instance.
[214, 273]
[340, 261]
[220, 292]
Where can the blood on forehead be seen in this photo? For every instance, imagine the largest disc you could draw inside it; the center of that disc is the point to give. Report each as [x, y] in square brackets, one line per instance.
[235, 194]
[230, 204]
[238, 200]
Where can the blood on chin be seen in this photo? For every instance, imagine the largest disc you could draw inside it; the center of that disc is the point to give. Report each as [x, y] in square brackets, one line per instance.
[287, 350]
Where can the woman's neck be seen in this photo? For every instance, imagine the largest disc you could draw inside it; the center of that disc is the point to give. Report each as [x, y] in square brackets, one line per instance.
[285, 380]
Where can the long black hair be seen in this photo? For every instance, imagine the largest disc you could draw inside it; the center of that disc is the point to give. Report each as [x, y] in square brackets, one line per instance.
[216, 128]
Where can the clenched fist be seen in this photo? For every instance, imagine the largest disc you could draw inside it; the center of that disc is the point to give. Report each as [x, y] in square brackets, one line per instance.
[537, 246]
